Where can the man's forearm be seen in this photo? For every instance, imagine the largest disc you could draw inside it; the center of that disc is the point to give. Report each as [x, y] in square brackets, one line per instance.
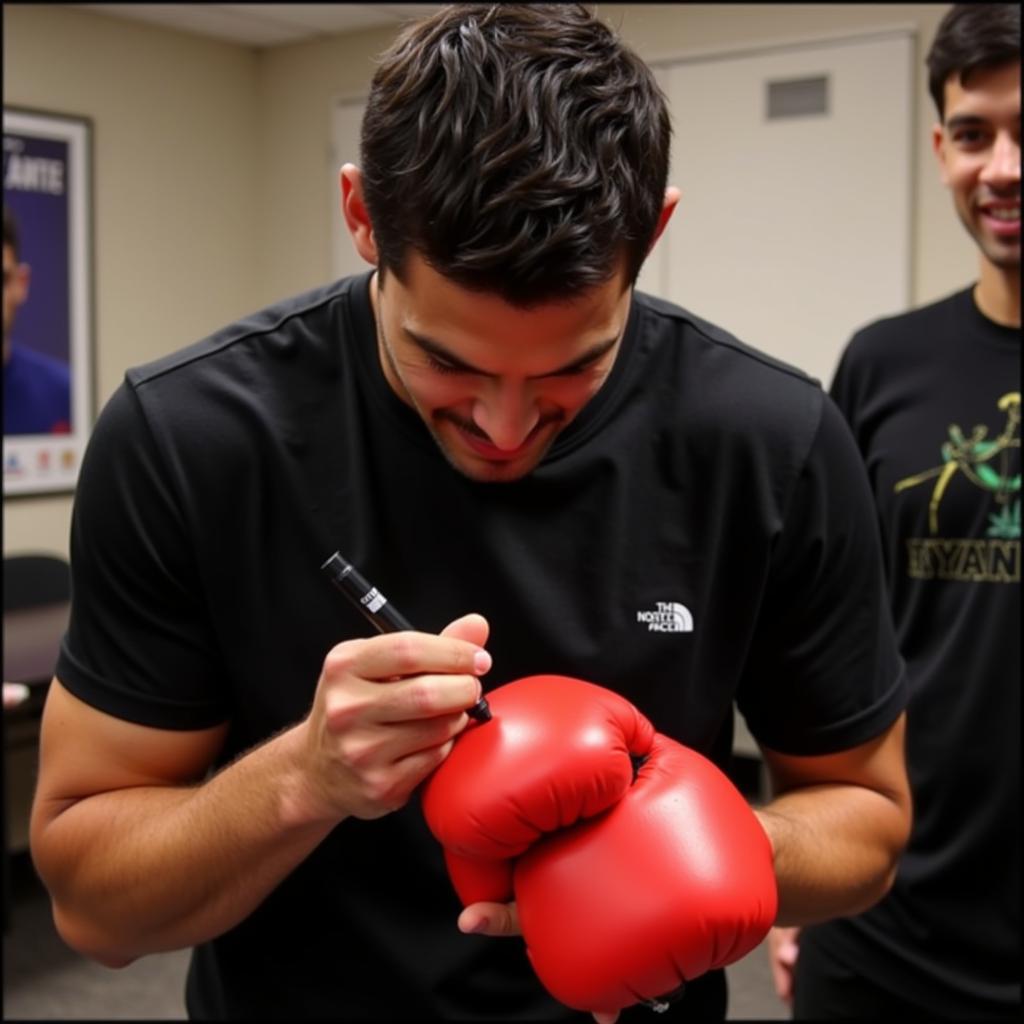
[149, 869]
[835, 849]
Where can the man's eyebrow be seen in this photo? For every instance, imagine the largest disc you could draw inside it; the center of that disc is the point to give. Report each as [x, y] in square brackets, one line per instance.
[439, 352]
[965, 121]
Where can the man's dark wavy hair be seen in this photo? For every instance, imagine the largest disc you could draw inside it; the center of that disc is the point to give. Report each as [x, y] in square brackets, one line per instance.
[520, 149]
[969, 37]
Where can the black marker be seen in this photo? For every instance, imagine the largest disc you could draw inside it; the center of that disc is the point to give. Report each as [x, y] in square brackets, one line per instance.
[376, 607]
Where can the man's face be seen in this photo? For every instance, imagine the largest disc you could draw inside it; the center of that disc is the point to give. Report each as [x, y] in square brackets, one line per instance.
[494, 384]
[978, 147]
[15, 290]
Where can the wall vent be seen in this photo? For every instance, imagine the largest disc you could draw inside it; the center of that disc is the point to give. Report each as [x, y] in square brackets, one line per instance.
[798, 97]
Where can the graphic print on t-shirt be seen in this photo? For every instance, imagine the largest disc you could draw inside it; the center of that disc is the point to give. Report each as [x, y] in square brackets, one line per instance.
[993, 466]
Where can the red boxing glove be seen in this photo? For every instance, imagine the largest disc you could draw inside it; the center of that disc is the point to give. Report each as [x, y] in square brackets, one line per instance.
[661, 878]
[557, 750]
[674, 880]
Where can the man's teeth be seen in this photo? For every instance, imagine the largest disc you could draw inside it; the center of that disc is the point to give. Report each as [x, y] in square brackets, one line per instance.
[1005, 213]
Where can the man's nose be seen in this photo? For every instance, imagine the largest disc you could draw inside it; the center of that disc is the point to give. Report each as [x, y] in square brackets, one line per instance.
[506, 413]
[1003, 164]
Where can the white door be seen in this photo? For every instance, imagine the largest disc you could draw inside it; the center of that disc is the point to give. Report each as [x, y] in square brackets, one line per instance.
[795, 170]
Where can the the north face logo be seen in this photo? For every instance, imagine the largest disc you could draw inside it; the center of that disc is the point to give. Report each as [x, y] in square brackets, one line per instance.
[668, 617]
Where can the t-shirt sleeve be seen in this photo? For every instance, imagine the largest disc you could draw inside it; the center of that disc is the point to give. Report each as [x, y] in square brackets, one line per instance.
[139, 644]
[825, 673]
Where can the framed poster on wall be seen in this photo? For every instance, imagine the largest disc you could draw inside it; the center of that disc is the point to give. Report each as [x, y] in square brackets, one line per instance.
[48, 300]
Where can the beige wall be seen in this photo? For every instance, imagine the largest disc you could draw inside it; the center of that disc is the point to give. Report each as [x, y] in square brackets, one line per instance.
[213, 165]
[175, 176]
[299, 85]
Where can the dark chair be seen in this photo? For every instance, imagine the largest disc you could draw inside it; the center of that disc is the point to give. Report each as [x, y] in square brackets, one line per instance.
[31, 580]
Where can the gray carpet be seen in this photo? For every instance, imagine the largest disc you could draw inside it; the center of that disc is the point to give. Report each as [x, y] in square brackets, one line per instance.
[45, 980]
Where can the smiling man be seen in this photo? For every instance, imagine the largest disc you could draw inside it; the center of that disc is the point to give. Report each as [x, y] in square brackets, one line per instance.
[933, 398]
[978, 149]
[532, 460]
[504, 381]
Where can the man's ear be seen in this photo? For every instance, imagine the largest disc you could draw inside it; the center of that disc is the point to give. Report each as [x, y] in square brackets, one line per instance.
[357, 218]
[668, 207]
[939, 149]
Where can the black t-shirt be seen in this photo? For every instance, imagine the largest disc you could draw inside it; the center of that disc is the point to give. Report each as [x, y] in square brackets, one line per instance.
[703, 475]
[933, 398]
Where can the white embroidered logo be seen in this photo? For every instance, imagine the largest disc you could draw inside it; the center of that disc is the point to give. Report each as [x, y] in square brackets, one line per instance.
[668, 617]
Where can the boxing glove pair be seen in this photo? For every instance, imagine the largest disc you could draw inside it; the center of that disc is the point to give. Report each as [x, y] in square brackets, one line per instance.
[635, 863]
